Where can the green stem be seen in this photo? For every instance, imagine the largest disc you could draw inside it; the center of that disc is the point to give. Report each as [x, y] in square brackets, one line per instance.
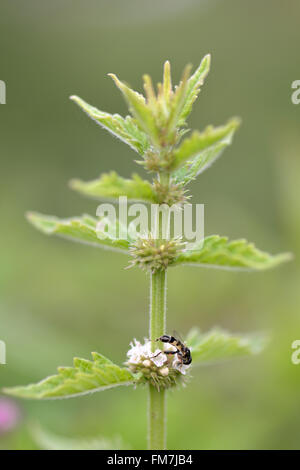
[158, 285]
[157, 398]
[157, 421]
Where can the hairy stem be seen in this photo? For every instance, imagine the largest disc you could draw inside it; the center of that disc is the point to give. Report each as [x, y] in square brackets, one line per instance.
[158, 285]
[157, 398]
[157, 419]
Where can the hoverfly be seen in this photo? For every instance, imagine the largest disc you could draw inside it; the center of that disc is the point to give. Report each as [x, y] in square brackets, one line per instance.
[182, 351]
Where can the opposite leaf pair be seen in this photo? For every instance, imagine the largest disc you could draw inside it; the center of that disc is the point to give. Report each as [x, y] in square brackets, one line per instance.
[216, 251]
[100, 374]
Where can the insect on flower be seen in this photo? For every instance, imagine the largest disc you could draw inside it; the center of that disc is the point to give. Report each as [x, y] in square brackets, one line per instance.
[182, 351]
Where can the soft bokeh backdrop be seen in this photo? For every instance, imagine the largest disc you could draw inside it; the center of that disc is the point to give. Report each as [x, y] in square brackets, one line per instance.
[59, 300]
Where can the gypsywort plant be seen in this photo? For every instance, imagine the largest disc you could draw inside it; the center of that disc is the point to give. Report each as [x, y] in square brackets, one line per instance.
[156, 130]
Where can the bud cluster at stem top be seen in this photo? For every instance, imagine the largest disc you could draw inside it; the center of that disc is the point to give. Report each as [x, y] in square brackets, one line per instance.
[155, 129]
[154, 255]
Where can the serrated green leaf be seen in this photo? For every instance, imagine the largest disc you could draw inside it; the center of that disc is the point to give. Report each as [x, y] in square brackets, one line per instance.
[124, 129]
[51, 441]
[83, 378]
[113, 186]
[80, 229]
[100, 359]
[177, 103]
[200, 150]
[218, 345]
[218, 252]
[194, 84]
[167, 83]
[139, 109]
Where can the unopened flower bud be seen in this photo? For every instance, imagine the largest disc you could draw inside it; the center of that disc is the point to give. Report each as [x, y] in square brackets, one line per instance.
[164, 371]
[147, 363]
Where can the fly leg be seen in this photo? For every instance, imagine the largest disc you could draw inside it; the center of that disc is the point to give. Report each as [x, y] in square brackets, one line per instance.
[164, 352]
[170, 352]
[156, 354]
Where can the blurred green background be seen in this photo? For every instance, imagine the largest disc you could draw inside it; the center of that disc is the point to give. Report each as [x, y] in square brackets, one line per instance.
[59, 300]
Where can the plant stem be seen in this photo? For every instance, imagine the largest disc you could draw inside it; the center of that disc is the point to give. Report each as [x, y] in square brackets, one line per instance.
[157, 398]
[158, 285]
[157, 422]
[157, 419]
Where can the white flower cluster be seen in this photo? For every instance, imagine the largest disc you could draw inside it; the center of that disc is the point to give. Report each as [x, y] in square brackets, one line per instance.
[142, 354]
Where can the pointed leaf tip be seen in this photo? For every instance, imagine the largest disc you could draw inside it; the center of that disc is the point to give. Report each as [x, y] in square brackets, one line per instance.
[28, 215]
[124, 129]
[83, 378]
[139, 109]
[194, 84]
[82, 229]
[167, 83]
[218, 344]
[148, 87]
[219, 252]
[207, 60]
[115, 79]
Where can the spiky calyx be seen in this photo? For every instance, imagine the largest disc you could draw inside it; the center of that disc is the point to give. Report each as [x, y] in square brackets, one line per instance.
[160, 377]
[170, 193]
[154, 255]
[158, 161]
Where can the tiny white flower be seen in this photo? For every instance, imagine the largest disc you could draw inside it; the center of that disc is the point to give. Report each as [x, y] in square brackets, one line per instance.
[147, 348]
[179, 366]
[159, 358]
[135, 353]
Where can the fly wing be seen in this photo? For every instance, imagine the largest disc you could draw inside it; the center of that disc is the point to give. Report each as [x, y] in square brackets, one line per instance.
[177, 336]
